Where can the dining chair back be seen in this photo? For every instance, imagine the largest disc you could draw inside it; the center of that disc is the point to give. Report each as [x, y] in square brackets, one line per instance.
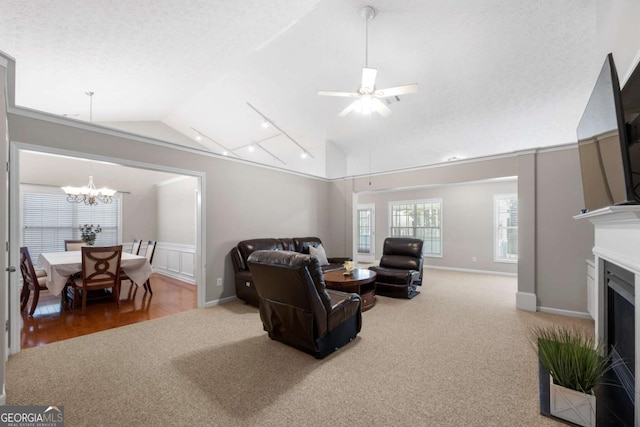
[73, 245]
[149, 252]
[100, 270]
[30, 281]
[135, 248]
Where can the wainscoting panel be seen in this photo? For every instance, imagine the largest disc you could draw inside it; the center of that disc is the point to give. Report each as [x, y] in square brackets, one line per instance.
[175, 260]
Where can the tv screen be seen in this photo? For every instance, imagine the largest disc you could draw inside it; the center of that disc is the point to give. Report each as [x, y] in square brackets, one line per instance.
[607, 159]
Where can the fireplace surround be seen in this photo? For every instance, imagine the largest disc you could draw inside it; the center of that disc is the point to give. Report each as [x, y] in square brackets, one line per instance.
[617, 275]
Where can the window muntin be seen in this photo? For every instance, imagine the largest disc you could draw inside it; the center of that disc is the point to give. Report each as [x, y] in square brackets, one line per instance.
[365, 228]
[421, 219]
[506, 228]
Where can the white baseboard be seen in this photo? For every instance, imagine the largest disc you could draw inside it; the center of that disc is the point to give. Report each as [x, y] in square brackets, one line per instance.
[569, 313]
[220, 301]
[467, 270]
[182, 278]
[526, 301]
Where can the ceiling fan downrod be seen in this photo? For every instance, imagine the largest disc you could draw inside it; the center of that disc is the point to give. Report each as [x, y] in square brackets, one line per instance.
[368, 13]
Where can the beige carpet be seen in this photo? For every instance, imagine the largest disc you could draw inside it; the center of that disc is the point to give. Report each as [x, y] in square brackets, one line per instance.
[456, 355]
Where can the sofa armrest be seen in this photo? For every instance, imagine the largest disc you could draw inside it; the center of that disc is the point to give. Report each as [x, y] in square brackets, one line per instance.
[343, 306]
[237, 260]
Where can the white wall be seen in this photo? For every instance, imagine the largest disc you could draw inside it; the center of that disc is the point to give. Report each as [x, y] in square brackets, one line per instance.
[618, 29]
[156, 130]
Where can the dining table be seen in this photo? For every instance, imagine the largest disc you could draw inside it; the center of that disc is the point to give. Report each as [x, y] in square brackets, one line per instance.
[59, 266]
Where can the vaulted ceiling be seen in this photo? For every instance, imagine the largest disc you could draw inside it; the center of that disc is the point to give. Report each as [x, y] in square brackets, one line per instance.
[494, 76]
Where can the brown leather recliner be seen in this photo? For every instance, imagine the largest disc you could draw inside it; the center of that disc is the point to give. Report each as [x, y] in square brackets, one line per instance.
[295, 306]
[245, 289]
[400, 268]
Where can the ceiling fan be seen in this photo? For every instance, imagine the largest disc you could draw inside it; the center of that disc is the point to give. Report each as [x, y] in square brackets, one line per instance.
[367, 96]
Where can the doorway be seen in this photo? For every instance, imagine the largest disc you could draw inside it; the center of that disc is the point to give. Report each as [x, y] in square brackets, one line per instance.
[141, 187]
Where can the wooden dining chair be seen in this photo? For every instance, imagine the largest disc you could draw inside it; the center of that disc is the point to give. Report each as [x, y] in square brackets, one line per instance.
[73, 245]
[30, 281]
[135, 248]
[100, 270]
[149, 252]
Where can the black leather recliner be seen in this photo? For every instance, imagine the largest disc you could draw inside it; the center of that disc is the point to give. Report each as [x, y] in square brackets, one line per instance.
[295, 306]
[400, 269]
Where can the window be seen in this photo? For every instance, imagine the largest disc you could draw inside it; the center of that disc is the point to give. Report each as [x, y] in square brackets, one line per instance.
[365, 229]
[421, 219]
[506, 228]
[48, 220]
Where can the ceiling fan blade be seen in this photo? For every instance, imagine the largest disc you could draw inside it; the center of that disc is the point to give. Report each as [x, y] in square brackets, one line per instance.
[380, 107]
[394, 91]
[348, 109]
[342, 94]
[368, 79]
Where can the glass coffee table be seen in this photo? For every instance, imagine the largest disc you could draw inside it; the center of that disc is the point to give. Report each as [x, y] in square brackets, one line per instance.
[360, 281]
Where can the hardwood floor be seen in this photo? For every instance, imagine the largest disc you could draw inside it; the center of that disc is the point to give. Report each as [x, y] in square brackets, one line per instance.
[49, 323]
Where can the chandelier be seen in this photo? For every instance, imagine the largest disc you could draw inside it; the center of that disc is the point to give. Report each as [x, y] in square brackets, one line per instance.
[89, 194]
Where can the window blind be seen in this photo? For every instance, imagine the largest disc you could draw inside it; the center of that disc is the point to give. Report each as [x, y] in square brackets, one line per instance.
[48, 220]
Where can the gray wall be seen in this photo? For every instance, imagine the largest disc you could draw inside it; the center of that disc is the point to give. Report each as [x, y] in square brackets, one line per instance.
[467, 224]
[245, 201]
[176, 211]
[242, 201]
[553, 247]
[562, 243]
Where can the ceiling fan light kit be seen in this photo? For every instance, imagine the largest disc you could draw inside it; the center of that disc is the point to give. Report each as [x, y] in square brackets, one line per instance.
[367, 97]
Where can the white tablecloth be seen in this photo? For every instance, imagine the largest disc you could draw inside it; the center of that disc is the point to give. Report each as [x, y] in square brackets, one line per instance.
[60, 265]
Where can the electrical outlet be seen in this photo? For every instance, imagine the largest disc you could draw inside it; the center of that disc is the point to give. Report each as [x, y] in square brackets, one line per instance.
[219, 281]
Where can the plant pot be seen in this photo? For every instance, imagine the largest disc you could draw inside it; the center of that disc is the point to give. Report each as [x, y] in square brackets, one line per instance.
[572, 405]
[544, 379]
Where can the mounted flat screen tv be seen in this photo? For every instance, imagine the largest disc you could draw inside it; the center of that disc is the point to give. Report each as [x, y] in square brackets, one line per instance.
[609, 154]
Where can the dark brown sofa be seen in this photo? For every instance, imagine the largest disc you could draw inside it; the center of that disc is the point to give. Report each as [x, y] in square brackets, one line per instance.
[295, 306]
[245, 289]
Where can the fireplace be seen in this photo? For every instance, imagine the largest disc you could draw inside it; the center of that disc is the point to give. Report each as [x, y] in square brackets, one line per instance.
[616, 399]
[617, 274]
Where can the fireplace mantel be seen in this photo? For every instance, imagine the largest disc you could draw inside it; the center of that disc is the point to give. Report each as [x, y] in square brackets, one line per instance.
[617, 240]
[617, 235]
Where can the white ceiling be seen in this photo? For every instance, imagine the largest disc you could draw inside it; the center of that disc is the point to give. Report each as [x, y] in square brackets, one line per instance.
[494, 76]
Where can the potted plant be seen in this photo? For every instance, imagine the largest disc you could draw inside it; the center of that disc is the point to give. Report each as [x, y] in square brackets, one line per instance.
[89, 233]
[576, 364]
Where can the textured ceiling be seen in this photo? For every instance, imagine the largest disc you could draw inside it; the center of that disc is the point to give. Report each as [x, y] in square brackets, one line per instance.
[494, 76]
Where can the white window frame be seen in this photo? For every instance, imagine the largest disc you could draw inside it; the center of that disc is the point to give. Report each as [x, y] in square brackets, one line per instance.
[417, 202]
[371, 255]
[496, 227]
